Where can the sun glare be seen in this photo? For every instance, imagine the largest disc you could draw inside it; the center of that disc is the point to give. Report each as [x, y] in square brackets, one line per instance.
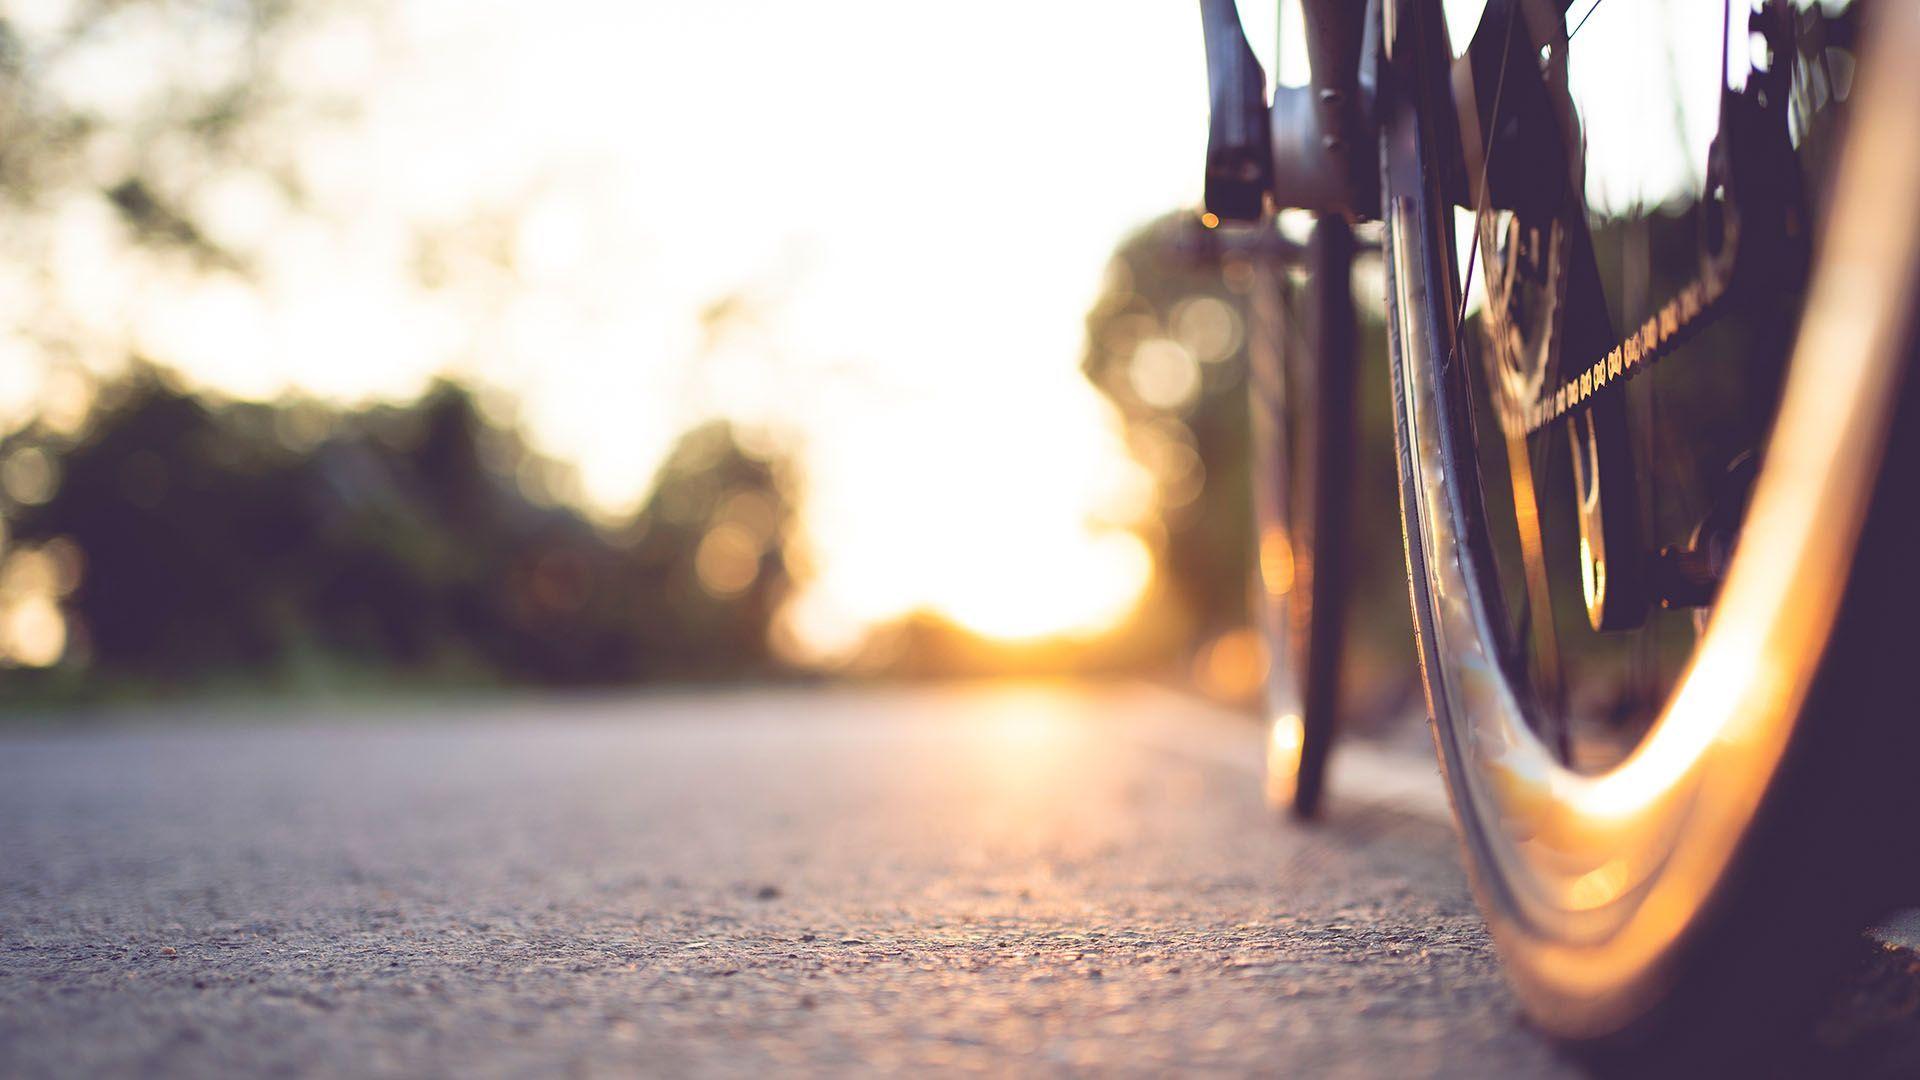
[553, 200]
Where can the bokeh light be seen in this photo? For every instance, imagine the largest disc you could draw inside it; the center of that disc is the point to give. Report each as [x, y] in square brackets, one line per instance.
[521, 197]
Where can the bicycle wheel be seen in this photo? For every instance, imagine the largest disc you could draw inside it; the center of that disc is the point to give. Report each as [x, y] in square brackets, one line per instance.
[1301, 396]
[1690, 879]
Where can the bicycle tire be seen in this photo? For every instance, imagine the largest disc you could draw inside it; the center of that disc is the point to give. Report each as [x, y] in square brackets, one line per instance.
[1699, 892]
[1301, 397]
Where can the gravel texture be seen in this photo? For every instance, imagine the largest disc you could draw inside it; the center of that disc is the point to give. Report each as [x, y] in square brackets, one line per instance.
[987, 880]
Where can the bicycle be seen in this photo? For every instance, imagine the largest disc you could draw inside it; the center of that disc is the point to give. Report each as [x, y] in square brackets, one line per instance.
[1656, 543]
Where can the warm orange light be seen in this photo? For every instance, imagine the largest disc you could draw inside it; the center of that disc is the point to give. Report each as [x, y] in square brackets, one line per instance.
[1164, 374]
[1284, 744]
[33, 631]
[1210, 220]
[1276, 561]
[1599, 885]
[728, 559]
[1233, 666]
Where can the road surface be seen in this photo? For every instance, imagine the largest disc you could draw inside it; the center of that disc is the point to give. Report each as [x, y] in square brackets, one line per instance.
[1036, 880]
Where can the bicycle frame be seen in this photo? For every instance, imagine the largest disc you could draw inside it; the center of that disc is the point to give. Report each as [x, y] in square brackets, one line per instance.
[1312, 148]
[1319, 151]
[1315, 147]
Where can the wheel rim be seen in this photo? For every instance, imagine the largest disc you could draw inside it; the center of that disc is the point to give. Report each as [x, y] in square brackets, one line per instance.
[1599, 875]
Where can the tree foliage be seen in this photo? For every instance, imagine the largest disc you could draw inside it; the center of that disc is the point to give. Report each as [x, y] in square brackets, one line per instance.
[220, 538]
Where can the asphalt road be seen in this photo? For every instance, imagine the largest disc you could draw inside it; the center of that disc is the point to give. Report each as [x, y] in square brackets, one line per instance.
[991, 880]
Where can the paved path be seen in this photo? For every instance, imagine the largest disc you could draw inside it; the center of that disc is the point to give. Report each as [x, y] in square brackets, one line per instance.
[1041, 880]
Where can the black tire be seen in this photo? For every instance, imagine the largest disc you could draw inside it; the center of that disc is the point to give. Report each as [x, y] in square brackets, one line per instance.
[1696, 895]
[1301, 395]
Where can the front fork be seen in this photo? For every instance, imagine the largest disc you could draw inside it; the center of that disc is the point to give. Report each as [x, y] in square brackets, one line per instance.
[1313, 149]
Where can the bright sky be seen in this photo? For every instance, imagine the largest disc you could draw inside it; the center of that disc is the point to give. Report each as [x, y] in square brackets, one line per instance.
[913, 203]
[916, 203]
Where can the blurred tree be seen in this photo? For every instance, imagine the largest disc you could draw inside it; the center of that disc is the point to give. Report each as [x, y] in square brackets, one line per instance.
[1166, 343]
[221, 539]
[152, 141]
[142, 103]
[209, 537]
[711, 546]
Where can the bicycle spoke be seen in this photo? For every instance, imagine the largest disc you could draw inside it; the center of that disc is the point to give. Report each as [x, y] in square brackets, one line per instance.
[1480, 192]
[1584, 18]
